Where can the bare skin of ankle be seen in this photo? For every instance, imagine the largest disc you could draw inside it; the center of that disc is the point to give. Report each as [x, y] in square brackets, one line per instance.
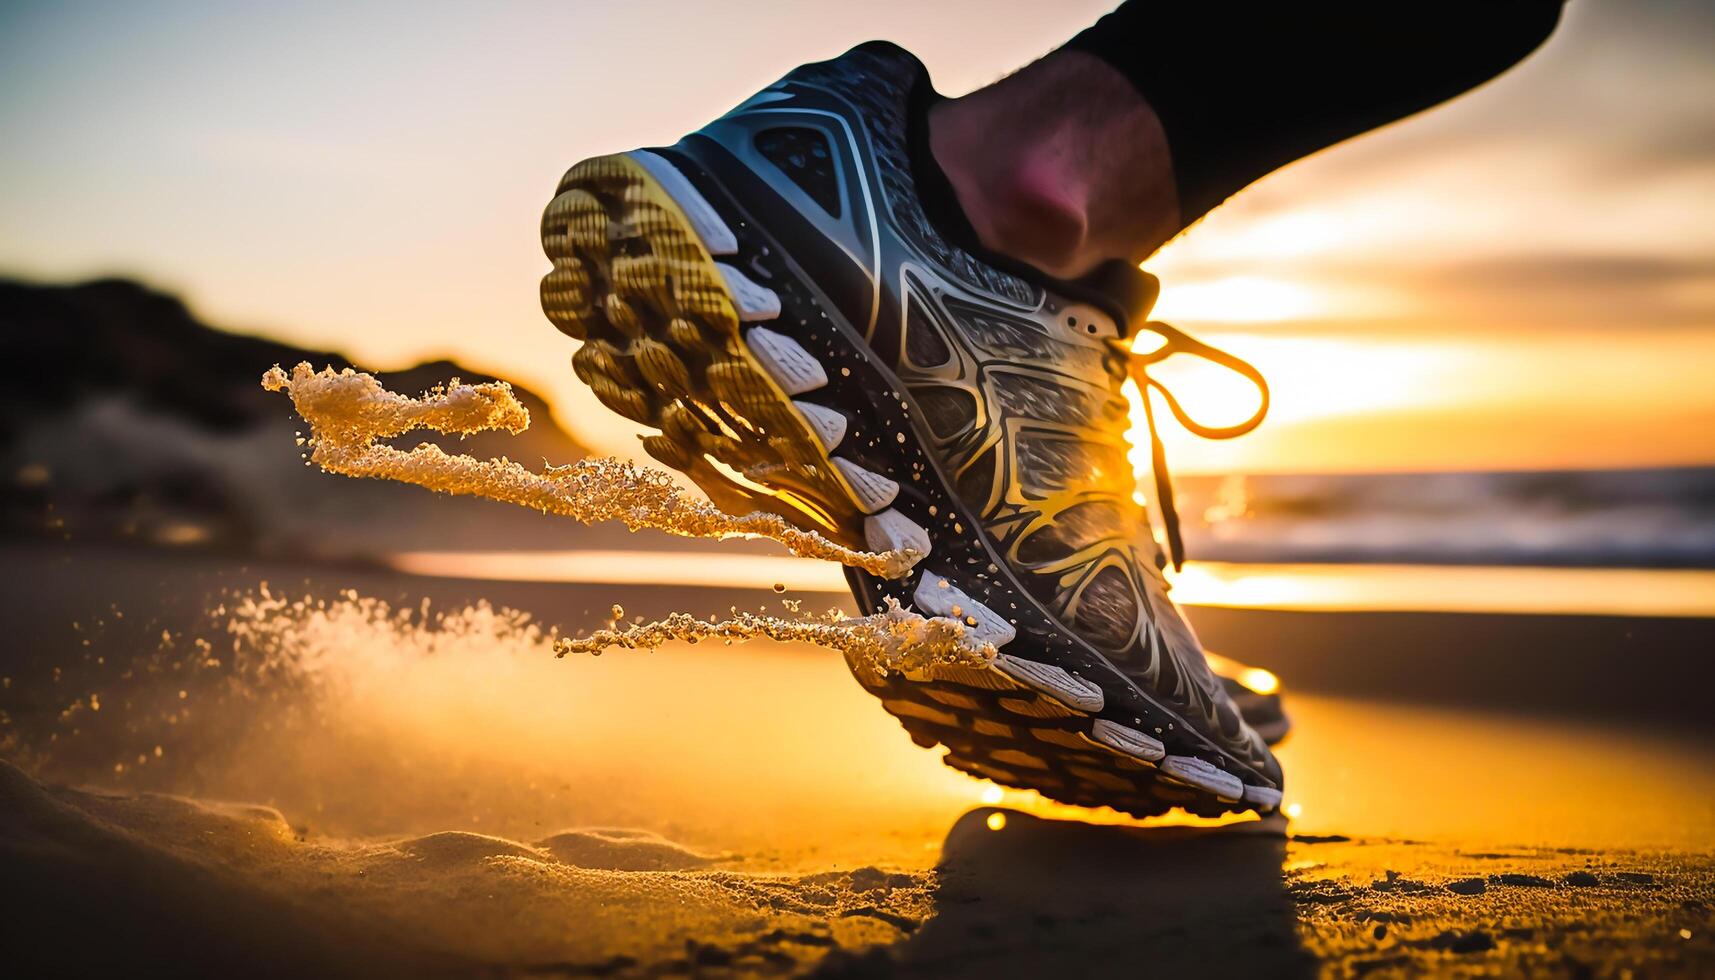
[1061, 166]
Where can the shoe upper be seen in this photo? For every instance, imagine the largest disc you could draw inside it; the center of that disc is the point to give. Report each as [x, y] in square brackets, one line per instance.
[1018, 379]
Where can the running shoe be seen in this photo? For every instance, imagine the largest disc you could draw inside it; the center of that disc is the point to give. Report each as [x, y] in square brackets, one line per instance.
[792, 298]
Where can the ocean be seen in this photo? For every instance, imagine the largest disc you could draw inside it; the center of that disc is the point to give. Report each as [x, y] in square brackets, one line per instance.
[1631, 518]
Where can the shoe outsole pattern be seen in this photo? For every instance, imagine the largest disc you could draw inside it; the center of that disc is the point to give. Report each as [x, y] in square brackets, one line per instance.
[676, 339]
[633, 280]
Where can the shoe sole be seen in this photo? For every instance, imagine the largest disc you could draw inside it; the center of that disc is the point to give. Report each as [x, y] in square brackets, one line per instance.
[676, 337]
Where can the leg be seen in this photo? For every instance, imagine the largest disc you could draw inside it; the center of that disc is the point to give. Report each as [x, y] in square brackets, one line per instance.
[1142, 124]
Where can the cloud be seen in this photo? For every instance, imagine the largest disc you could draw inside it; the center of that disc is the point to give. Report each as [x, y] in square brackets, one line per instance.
[1537, 270]
[1579, 289]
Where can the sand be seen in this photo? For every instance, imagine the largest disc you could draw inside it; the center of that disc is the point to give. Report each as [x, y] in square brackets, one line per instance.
[128, 882]
[448, 799]
[103, 881]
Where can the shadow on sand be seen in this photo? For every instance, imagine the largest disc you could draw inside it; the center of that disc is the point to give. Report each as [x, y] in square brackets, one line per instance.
[1043, 897]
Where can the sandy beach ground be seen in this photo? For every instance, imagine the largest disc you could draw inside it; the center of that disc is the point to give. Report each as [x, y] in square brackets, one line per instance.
[210, 785]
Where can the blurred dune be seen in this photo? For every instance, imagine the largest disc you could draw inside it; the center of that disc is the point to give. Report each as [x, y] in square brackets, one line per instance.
[131, 419]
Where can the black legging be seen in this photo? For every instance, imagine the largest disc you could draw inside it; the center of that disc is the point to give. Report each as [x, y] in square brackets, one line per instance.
[1243, 89]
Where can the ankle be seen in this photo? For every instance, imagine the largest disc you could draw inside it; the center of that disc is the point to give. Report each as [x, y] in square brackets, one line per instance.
[1062, 166]
[1025, 205]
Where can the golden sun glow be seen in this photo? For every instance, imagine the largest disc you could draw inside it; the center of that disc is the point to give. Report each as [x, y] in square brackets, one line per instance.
[1240, 299]
[1312, 377]
[1442, 588]
[1363, 401]
[1259, 680]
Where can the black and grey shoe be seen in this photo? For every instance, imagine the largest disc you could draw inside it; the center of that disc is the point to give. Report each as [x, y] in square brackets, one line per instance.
[791, 297]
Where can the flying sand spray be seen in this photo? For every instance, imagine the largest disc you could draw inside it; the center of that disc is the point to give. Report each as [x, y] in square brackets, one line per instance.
[349, 413]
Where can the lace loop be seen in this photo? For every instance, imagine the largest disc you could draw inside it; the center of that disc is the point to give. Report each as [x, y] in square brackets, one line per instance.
[1177, 341]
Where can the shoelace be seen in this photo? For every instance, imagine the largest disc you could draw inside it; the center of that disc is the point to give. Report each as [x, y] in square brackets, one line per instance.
[1176, 341]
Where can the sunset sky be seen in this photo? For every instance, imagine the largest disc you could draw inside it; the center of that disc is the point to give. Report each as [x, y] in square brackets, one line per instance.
[1524, 278]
